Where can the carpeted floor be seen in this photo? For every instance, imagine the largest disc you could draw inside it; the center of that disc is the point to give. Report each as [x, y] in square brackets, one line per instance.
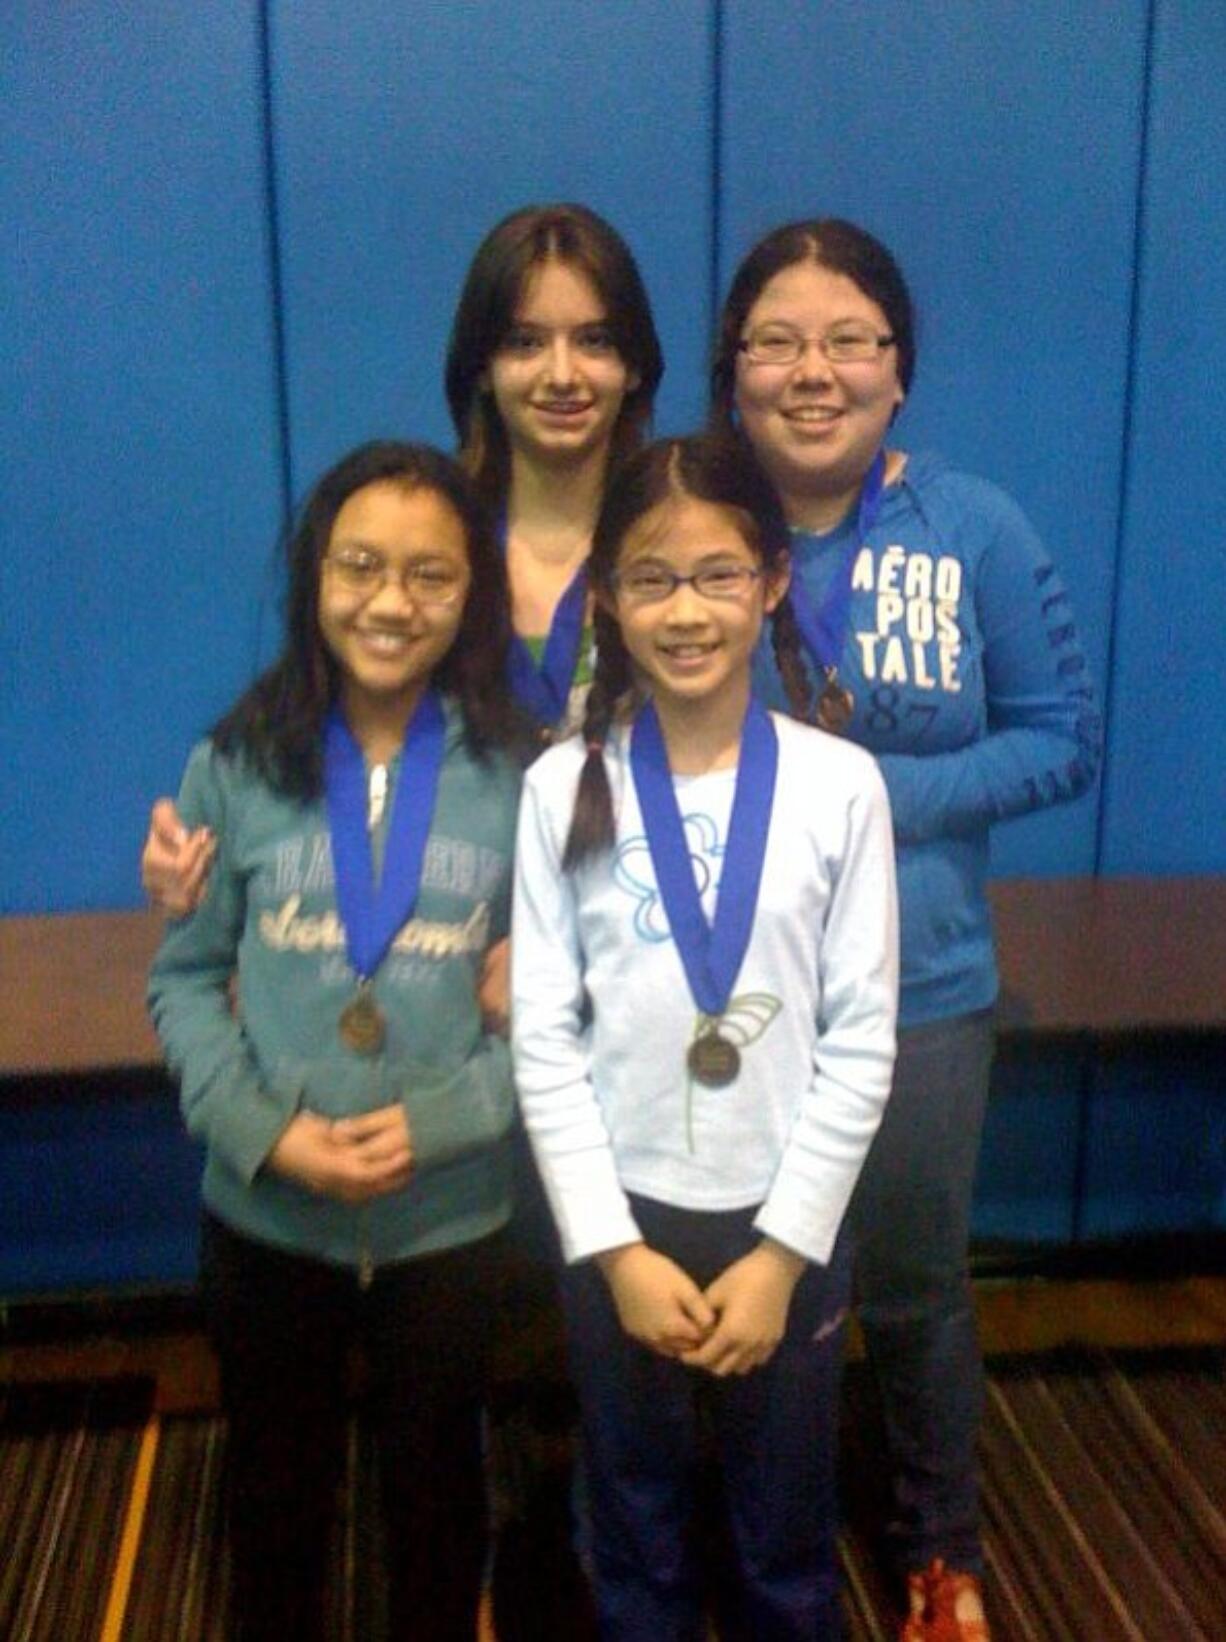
[1105, 1511]
[1104, 1500]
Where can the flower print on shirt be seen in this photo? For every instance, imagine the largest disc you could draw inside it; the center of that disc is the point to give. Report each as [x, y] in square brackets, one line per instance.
[633, 872]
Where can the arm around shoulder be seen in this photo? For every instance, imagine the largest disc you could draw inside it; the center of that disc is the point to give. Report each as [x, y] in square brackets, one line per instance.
[223, 1098]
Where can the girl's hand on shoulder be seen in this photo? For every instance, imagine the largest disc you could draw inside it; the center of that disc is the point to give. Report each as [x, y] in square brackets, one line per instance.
[751, 1299]
[658, 1304]
[174, 864]
[352, 1160]
[494, 988]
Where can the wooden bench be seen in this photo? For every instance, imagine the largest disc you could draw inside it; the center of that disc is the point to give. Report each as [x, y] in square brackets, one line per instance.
[1103, 957]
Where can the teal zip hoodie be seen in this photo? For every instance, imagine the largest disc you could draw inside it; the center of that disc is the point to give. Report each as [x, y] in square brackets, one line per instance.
[270, 919]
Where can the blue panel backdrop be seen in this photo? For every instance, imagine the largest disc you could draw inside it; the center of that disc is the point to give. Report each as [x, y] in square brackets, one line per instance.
[1000, 149]
[404, 133]
[959, 134]
[139, 465]
[1165, 793]
[99, 1189]
[1156, 1153]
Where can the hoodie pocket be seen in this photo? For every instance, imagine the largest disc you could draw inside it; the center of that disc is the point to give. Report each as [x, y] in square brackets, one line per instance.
[456, 1112]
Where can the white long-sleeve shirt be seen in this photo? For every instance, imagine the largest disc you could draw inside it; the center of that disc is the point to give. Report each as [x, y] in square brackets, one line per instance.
[603, 1015]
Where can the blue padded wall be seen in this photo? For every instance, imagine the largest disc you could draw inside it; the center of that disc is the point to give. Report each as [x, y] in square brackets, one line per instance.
[405, 132]
[1001, 150]
[1072, 347]
[1165, 793]
[959, 134]
[99, 1189]
[1156, 1142]
[140, 468]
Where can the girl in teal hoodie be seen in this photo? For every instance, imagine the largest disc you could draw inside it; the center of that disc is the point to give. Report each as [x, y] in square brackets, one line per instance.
[320, 1010]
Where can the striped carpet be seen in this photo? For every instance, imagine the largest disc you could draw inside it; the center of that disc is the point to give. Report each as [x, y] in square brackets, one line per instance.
[1105, 1511]
[1104, 1500]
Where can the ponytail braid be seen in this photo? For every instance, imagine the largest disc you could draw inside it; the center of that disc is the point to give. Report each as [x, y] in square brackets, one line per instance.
[789, 658]
[592, 827]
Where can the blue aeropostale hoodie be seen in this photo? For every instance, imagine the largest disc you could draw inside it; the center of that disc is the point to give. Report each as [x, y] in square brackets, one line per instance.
[972, 690]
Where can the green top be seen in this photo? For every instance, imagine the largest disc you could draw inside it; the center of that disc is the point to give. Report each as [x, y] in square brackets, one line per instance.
[583, 662]
[270, 917]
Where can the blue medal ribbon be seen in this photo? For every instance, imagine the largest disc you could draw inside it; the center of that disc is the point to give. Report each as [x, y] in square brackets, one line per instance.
[374, 915]
[824, 628]
[711, 954]
[545, 692]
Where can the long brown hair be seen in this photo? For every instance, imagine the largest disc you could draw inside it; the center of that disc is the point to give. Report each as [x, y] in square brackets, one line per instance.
[493, 289]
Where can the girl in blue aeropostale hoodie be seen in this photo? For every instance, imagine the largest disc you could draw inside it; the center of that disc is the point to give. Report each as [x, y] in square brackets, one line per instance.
[354, 1109]
[950, 652]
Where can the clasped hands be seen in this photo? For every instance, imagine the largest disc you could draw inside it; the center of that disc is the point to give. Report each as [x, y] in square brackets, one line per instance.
[352, 1159]
[730, 1327]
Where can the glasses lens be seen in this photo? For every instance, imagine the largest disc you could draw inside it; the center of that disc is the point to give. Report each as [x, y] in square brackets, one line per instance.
[774, 345]
[434, 584]
[356, 572]
[725, 581]
[851, 342]
[646, 585]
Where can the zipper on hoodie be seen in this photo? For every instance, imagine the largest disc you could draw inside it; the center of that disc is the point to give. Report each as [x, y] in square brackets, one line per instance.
[377, 784]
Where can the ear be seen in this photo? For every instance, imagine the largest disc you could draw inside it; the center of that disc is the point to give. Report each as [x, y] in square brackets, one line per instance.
[602, 597]
[900, 399]
[633, 381]
[777, 583]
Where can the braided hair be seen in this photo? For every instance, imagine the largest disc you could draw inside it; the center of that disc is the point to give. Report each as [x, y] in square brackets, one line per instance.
[707, 468]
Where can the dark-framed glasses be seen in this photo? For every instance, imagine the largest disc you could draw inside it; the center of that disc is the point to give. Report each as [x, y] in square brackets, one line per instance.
[848, 343]
[425, 581]
[653, 583]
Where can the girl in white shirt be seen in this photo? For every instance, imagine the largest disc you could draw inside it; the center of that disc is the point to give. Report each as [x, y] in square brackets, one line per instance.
[704, 962]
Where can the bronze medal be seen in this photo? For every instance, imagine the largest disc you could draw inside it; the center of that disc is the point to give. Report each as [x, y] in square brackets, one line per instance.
[362, 1027]
[713, 1061]
[835, 704]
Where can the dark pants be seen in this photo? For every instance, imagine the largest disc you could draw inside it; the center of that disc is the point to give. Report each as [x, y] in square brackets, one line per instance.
[283, 1325]
[911, 1220]
[774, 1432]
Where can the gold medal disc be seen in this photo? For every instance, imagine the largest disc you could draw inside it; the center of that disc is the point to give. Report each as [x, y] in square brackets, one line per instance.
[713, 1061]
[834, 705]
[361, 1025]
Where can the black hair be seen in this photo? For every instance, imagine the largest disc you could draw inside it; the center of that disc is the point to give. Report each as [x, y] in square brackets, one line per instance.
[278, 722]
[492, 291]
[706, 468]
[832, 243]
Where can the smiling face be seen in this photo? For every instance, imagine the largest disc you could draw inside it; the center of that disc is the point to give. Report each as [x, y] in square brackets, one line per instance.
[816, 426]
[387, 641]
[557, 379]
[688, 647]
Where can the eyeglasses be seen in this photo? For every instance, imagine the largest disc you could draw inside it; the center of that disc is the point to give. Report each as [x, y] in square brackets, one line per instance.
[653, 583]
[426, 583]
[846, 344]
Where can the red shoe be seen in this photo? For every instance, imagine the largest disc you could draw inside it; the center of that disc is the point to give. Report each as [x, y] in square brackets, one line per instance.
[945, 1607]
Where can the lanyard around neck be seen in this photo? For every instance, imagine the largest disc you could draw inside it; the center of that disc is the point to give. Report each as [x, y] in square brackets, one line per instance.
[824, 627]
[711, 954]
[373, 915]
